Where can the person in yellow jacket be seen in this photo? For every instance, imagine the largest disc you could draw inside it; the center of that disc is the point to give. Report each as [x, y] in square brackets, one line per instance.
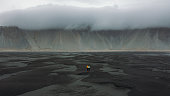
[88, 68]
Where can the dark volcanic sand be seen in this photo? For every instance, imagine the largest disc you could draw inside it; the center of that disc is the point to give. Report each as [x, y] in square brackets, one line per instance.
[64, 74]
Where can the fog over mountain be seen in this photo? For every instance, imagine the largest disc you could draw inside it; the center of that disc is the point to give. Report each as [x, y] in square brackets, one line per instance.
[70, 17]
[89, 26]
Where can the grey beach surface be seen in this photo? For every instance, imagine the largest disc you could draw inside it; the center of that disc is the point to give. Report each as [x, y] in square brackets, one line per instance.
[64, 74]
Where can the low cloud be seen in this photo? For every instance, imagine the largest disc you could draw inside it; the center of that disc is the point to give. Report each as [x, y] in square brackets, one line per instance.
[55, 16]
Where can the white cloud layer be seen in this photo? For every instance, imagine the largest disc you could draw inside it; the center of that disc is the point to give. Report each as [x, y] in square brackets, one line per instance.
[134, 14]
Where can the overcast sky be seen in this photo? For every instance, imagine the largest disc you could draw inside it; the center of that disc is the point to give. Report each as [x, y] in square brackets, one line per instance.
[100, 14]
[7, 5]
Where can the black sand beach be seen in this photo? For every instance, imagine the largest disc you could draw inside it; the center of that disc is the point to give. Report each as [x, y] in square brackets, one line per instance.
[64, 74]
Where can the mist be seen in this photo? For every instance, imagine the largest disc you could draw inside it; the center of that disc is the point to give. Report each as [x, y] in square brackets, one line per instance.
[103, 18]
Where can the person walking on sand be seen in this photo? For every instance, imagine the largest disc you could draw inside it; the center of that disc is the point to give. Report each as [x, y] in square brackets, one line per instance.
[88, 68]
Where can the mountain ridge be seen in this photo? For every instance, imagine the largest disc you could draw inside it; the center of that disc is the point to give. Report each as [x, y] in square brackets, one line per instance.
[14, 38]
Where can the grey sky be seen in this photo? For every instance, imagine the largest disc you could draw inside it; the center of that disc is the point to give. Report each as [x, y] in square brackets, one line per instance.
[7, 5]
[100, 14]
